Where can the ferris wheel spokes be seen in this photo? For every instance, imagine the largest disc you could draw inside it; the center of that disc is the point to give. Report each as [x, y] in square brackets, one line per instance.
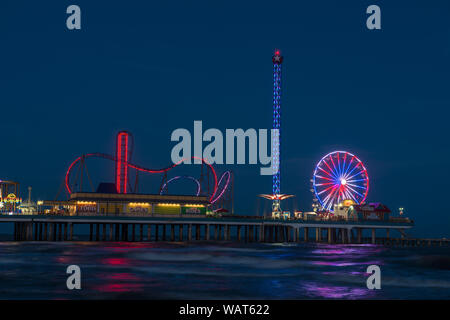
[340, 176]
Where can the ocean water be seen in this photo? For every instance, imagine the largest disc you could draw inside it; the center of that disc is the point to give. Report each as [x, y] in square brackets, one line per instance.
[159, 270]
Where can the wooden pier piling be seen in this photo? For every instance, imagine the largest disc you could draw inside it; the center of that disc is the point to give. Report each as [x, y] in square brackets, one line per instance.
[180, 232]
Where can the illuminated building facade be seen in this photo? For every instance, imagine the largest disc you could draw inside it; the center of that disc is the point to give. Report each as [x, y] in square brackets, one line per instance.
[9, 197]
[93, 203]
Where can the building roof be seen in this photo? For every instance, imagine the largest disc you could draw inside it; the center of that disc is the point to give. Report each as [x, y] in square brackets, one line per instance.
[373, 206]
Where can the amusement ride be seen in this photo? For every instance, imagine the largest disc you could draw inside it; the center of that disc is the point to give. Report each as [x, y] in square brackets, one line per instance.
[217, 189]
[339, 176]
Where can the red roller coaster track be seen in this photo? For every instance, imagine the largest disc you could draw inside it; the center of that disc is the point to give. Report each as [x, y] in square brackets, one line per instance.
[136, 167]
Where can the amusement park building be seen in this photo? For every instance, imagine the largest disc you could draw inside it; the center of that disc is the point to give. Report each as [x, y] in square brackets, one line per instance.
[371, 211]
[93, 203]
[9, 196]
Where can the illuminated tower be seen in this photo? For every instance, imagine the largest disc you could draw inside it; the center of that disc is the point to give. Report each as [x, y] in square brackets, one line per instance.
[122, 159]
[277, 60]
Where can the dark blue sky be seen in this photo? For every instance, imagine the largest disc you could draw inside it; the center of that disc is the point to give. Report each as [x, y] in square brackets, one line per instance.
[153, 66]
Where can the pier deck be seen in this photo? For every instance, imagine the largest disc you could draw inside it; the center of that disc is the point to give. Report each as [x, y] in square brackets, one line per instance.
[140, 228]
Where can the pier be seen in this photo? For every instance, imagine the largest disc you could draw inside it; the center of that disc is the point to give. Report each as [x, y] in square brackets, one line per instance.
[143, 229]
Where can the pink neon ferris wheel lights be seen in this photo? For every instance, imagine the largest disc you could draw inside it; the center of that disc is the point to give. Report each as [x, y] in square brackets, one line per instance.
[336, 178]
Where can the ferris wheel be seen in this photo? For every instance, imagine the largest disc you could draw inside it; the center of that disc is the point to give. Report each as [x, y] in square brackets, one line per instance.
[339, 176]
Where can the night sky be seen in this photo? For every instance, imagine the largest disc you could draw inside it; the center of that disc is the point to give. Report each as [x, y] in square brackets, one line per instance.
[151, 67]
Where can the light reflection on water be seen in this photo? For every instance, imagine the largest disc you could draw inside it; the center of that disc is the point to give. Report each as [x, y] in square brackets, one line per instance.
[32, 270]
[317, 290]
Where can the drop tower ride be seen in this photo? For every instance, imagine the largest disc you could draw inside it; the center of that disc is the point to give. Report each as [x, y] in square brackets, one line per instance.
[276, 197]
[277, 61]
